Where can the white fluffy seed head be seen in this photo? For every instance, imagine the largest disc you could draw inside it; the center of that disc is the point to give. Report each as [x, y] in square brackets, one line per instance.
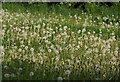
[31, 74]
[59, 78]
[6, 75]
[67, 72]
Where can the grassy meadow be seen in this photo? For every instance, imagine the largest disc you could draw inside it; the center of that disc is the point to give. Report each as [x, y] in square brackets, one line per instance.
[59, 42]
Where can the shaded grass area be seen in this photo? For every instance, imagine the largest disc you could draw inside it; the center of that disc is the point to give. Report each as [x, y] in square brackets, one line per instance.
[90, 9]
[47, 71]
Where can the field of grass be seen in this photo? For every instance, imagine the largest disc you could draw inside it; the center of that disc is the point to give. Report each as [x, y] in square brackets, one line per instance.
[59, 43]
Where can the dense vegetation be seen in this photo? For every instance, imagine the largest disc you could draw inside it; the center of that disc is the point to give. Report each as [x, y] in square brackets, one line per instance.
[60, 41]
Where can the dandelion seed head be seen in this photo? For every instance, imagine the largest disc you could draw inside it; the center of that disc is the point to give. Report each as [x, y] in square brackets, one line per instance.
[59, 78]
[6, 75]
[67, 72]
[31, 74]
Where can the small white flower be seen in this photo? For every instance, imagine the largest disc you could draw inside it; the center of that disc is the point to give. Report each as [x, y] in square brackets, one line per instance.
[60, 29]
[26, 47]
[1, 48]
[45, 37]
[78, 61]
[53, 32]
[83, 30]
[22, 42]
[49, 50]
[65, 27]
[43, 24]
[56, 27]
[26, 27]
[46, 41]
[78, 46]
[35, 33]
[19, 49]
[32, 49]
[79, 31]
[113, 33]
[2, 54]
[69, 4]
[89, 33]
[93, 32]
